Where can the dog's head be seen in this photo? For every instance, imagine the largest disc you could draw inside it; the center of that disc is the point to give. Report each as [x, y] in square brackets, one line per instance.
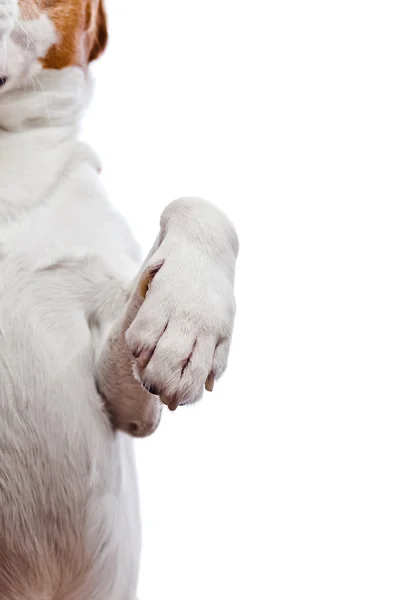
[48, 34]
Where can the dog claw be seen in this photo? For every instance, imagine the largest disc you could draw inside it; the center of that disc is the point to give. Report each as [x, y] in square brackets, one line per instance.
[210, 382]
[172, 403]
[144, 358]
[144, 285]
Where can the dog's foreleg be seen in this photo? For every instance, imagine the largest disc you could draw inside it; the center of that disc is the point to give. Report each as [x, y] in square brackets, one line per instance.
[179, 320]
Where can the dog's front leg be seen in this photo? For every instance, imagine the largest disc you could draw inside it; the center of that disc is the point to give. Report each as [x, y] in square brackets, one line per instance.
[131, 408]
[179, 321]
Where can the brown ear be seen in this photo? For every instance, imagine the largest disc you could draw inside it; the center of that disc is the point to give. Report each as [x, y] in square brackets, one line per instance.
[100, 34]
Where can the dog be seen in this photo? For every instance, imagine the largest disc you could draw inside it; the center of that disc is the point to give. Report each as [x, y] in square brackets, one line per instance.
[93, 342]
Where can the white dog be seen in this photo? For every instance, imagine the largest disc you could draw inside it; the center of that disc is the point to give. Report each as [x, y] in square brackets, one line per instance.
[86, 350]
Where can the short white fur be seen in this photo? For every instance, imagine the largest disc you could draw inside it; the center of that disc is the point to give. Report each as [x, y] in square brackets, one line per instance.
[67, 269]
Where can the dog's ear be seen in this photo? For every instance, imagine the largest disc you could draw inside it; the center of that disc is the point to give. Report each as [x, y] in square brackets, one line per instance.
[99, 29]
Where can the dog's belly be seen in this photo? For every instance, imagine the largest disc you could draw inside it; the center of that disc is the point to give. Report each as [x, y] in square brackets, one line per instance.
[69, 520]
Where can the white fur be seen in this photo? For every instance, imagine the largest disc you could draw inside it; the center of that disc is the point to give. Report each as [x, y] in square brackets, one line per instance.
[22, 43]
[67, 259]
[8, 16]
[189, 309]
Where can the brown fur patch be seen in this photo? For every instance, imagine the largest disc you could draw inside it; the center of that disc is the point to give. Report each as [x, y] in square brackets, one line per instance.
[99, 37]
[81, 26]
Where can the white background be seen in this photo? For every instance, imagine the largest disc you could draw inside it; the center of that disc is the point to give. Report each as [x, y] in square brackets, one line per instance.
[284, 483]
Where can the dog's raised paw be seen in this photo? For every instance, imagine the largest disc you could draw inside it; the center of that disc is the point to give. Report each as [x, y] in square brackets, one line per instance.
[181, 336]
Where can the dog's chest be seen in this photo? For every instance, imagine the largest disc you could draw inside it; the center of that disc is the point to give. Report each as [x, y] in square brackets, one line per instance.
[59, 258]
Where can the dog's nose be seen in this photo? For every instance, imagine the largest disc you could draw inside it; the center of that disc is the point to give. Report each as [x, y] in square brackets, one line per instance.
[3, 80]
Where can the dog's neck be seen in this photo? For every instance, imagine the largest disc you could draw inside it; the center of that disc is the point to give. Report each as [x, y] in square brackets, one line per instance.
[54, 98]
[39, 128]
